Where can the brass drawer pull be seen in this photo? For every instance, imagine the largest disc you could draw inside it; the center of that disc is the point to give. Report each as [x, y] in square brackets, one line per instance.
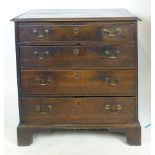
[113, 109]
[76, 30]
[39, 109]
[41, 55]
[112, 81]
[40, 34]
[111, 32]
[112, 54]
[43, 82]
[76, 51]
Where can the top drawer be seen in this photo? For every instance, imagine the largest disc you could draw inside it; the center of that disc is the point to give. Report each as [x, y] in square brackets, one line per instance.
[46, 33]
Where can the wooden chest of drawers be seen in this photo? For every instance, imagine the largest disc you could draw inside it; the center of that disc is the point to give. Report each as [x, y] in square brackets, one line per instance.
[77, 69]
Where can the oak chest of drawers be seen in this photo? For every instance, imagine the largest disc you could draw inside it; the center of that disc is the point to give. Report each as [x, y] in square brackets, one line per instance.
[77, 69]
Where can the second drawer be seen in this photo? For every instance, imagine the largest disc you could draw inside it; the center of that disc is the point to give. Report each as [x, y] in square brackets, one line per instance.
[77, 57]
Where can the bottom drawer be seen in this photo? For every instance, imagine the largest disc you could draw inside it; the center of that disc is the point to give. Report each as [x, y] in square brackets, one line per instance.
[46, 111]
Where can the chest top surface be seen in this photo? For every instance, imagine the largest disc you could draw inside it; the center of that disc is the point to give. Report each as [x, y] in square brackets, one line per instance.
[76, 15]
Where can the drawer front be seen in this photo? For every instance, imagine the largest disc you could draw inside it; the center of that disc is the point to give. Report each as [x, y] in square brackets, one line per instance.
[102, 32]
[77, 57]
[78, 82]
[78, 110]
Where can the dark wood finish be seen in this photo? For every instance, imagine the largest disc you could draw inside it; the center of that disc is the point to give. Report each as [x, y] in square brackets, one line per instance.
[76, 15]
[77, 57]
[24, 136]
[103, 32]
[77, 70]
[78, 82]
[78, 110]
[131, 131]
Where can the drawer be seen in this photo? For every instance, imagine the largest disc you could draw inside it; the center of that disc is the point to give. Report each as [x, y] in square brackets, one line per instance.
[46, 111]
[78, 82]
[77, 57]
[81, 32]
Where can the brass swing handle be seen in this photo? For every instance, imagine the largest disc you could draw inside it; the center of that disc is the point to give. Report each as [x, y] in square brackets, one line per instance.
[42, 81]
[76, 51]
[41, 55]
[111, 81]
[40, 33]
[113, 109]
[112, 54]
[111, 32]
[42, 112]
[76, 30]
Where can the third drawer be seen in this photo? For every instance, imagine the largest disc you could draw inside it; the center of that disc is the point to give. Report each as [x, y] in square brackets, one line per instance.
[78, 82]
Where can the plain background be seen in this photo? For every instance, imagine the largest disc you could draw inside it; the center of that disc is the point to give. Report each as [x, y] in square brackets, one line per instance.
[76, 142]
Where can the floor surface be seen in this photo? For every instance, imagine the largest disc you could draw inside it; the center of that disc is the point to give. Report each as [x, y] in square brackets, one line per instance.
[78, 142]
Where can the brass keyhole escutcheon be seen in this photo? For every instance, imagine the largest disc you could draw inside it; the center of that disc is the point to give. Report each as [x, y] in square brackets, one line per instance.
[77, 76]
